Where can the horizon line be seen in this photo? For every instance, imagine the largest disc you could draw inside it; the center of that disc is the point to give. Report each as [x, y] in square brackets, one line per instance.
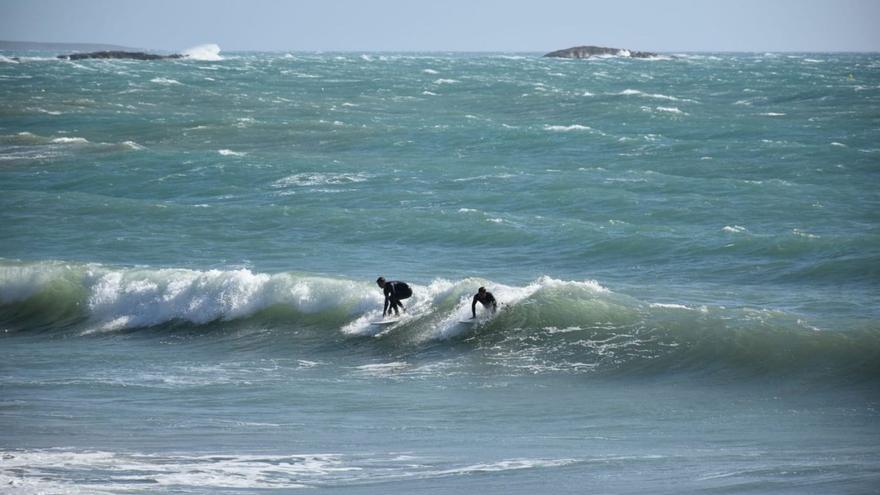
[349, 50]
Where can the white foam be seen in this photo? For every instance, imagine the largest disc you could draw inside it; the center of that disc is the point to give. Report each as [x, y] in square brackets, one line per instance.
[70, 140]
[735, 229]
[125, 472]
[48, 112]
[508, 465]
[771, 114]
[446, 81]
[52, 471]
[636, 92]
[567, 128]
[319, 179]
[226, 152]
[670, 306]
[674, 110]
[429, 93]
[140, 298]
[164, 80]
[208, 52]
[132, 145]
[430, 71]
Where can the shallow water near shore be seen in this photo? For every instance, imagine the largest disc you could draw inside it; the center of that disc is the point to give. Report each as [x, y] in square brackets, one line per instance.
[686, 249]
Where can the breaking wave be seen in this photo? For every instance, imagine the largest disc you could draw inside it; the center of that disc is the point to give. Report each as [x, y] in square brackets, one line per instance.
[547, 325]
[209, 52]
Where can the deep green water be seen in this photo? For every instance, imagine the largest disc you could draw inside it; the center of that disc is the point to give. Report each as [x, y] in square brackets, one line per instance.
[688, 251]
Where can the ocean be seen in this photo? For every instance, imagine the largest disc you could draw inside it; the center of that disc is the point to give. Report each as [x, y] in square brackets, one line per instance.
[685, 249]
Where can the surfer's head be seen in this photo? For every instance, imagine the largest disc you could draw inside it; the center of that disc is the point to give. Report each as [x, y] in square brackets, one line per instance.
[481, 290]
[380, 281]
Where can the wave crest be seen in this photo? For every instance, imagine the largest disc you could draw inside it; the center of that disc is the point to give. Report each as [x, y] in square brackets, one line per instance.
[547, 325]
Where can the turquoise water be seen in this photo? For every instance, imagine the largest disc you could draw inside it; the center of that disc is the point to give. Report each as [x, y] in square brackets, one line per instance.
[687, 252]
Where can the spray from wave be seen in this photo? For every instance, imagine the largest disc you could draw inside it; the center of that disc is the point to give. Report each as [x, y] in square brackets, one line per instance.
[207, 52]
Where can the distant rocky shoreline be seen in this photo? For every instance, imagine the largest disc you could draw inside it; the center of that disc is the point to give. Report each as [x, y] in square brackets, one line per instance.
[589, 51]
[118, 54]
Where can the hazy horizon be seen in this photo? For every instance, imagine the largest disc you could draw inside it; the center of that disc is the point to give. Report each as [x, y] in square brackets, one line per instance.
[489, 26]
[116, 46]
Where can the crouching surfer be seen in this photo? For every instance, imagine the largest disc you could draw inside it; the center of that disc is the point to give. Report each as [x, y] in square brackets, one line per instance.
[485, 298]
[394, 292]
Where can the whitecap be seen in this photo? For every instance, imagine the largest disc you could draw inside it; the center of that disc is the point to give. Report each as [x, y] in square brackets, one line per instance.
[446, 81]
[735, 229]
[567, 128]
[670, 306]
[164, 80]
[636, 92]
[227, 152]
[318, 178]
[674, 110]
[430, 71]
[70, 140]
[132, 145]
[48, 112]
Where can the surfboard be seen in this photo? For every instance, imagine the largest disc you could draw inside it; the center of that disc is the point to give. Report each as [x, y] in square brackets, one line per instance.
[385, 322]
[469, 322]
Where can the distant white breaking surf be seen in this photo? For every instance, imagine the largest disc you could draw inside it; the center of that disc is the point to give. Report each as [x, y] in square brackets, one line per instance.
[208, 52]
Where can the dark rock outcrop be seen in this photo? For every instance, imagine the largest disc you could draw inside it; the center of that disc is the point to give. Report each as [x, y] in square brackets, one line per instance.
[119, 54]
[593, 51]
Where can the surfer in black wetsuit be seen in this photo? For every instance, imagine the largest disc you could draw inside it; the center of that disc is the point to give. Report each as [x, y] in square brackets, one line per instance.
[394, 292]
[485, 298]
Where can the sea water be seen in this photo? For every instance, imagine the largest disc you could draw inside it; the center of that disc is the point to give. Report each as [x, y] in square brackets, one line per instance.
[686, 251]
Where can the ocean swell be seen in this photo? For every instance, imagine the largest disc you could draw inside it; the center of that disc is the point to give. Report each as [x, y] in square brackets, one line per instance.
[547, 325]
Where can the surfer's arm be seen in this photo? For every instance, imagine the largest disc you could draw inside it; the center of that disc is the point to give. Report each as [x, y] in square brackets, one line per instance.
[387, 301]
[474, 307]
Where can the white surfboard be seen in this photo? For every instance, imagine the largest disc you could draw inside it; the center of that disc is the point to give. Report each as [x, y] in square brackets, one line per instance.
[385, 322]
[469, 322]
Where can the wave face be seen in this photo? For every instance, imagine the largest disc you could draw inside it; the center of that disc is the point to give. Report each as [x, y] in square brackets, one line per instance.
[547, 325]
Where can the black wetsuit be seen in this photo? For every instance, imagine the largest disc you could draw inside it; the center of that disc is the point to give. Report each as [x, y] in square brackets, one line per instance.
[486, 299]
[394, 292]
